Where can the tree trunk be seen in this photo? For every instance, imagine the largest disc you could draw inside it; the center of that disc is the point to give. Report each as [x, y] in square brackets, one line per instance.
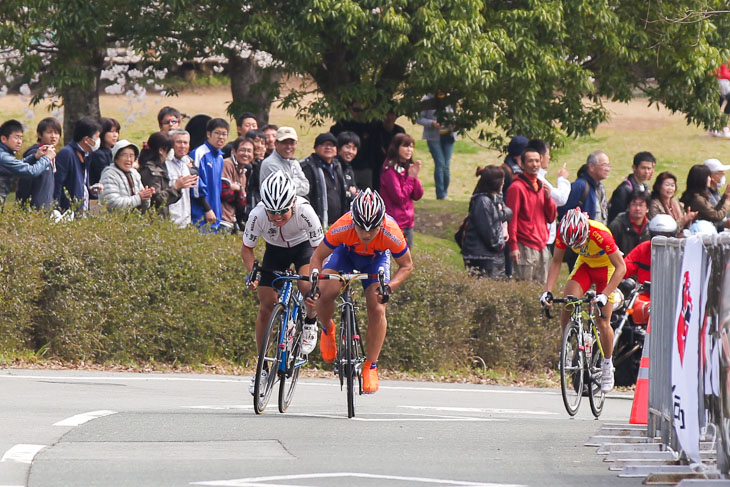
[253, 88]
[82, 100]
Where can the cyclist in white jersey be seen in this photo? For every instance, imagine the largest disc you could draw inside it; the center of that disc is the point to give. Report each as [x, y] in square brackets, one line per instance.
[291, 229]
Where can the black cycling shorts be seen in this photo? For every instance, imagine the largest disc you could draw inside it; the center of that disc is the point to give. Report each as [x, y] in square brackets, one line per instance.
[281, 258]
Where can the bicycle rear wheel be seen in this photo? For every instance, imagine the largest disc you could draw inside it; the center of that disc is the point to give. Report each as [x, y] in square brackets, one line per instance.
[593, 375]
[294, 361]
[269, 359]
[571, 368]
[350, 363]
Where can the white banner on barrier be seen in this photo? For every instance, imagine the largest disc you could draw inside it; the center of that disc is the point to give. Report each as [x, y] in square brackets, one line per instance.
[685, 349]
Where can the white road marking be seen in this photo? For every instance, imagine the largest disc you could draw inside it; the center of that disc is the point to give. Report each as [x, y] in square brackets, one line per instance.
[219, 408]
[22, 453]
[83, 418]
[263, 481]
[481, 410]
[404, 417]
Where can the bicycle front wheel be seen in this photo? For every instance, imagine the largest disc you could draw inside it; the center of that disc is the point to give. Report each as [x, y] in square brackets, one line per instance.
[593, 375]
[571, 368]
[294, 361]
[350, 362]
[267, 368]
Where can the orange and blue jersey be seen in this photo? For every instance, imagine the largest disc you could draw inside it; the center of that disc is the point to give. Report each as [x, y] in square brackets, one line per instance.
[390, 238]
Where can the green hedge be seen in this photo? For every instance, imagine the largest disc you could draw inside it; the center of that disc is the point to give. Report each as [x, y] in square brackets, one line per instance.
[127, 288]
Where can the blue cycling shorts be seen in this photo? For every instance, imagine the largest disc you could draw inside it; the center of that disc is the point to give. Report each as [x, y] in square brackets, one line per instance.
[344, 260]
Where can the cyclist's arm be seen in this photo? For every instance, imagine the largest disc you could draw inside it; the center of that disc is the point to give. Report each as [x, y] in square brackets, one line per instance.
[618, 273]
[554, 269]
[247, 256]
[320, 254]
[405, 267]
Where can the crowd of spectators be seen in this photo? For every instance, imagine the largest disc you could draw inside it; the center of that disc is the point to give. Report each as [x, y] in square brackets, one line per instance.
[195, 176]
[523, 247]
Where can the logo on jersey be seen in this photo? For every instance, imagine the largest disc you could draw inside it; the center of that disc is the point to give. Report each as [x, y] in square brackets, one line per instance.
[392, 237]
[341, 229]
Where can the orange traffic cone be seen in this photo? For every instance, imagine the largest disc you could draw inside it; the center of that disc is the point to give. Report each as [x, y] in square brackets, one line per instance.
[640, 407]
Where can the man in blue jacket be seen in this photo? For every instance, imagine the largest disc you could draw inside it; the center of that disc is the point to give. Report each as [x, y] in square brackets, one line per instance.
[11, 140]
[205, 203]
[72, 172]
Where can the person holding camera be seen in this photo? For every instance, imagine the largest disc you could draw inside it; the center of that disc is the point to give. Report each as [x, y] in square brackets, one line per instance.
[485, 233]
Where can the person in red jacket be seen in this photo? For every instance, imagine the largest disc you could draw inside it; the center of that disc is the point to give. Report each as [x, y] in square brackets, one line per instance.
[638, 261]
[532, 209]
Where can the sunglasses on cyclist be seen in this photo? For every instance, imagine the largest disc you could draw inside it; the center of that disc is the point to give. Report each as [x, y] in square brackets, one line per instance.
[278, 212]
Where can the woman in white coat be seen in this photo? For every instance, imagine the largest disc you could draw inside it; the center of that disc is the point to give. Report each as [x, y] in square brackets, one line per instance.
[122, 183]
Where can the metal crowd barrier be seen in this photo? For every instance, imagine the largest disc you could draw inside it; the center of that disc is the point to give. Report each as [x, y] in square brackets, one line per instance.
[666, 265]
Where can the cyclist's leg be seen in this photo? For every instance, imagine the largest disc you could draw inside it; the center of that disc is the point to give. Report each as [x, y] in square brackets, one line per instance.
[377, 324]
[275, 258]
[302, 254]
[267, 300]
[603, 275]
[578, 283]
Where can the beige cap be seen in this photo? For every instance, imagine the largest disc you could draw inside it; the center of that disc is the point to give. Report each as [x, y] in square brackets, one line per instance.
[285, 133]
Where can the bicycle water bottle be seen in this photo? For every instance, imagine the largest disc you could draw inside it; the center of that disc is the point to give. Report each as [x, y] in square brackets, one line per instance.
[588, 343]
[290, 328]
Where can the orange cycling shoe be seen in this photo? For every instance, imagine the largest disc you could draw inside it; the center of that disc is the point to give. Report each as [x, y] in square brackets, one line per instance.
[369, 378]
[327, 343]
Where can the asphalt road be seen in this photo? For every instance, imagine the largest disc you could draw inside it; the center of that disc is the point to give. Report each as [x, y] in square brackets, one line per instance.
[71, 428]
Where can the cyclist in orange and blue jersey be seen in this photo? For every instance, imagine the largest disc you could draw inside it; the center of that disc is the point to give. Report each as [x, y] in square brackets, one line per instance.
[599, 262]
[362, 239]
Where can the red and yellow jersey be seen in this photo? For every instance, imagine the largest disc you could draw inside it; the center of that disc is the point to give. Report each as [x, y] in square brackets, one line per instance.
[390, 237]
[600, 245]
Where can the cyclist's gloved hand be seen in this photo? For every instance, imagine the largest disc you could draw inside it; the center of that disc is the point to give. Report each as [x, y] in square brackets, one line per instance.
[384, 293]
[546, 298]
[601, 300]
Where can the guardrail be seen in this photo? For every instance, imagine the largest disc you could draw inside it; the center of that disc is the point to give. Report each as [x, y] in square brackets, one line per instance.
[714, 403]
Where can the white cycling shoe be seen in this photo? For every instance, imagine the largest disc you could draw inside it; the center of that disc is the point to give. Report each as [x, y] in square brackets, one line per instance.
[309, 338]
[606, 376]
[252, 385]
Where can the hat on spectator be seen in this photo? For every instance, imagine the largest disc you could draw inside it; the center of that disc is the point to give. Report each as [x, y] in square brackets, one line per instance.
[326, 137]
[285, 133]
[715, 165]
[123, 144]
[517, 145]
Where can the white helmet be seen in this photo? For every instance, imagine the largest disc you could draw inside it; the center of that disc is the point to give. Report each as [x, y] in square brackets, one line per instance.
[573, 228]
[663, 224]
[277, 192]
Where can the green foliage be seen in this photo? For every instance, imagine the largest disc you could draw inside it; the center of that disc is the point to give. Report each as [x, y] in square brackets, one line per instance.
[123, 287]
[128, 288]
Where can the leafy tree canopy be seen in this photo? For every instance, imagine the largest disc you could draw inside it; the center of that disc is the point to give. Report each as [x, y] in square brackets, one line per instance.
[541, 68]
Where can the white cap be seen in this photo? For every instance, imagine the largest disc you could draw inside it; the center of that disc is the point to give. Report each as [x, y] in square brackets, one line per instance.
[715, 165]
[285, 133]
[121, 145]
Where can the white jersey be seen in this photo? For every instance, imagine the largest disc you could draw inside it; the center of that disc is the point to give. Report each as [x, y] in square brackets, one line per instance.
[303, 225]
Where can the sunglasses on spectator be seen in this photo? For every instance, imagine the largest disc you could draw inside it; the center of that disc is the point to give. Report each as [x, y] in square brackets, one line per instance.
[170, 121]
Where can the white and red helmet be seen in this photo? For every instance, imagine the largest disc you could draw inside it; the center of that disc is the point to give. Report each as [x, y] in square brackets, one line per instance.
[574, 228]
[368, 209]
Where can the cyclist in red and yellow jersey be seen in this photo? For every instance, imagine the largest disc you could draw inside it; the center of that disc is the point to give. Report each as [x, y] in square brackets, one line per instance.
[600, 263]
[362, 239]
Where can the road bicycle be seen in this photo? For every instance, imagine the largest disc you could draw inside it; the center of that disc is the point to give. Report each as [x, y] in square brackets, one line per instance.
[350, 352]
[280, 357]
[580, 354]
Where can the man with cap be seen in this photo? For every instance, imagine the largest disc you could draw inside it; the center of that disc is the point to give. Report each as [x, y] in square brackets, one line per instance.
[282, 159]
[717, 180]
[327, 187]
